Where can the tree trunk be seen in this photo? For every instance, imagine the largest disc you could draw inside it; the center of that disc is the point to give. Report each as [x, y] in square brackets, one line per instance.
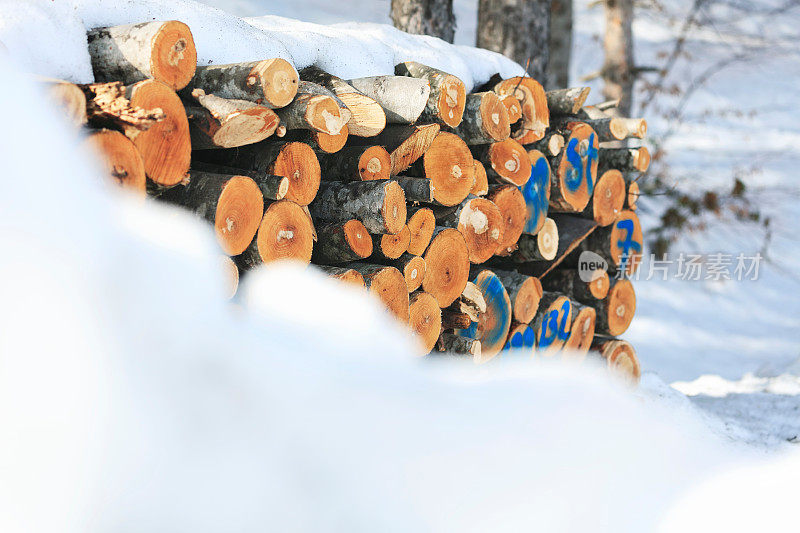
[425, 17]
[560, 44]
[625, 159]
[163, 51]
[569, 282]
[285, 232]
[566, 101]
[519, 29]
[446, 266]
[618, 67]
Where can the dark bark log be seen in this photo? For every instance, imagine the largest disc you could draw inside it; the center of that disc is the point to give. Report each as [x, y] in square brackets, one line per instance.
[570, 283]
[271, 82]
[625, 159]
[550, 145]
[272, 187]
[485, 119]
[519, 29]
[342, 242]
[315, 108]
[357, 163]
[379, 205]
[572, 231]
[416, 189]
[456, 344]
[425, 17]
[566, 101]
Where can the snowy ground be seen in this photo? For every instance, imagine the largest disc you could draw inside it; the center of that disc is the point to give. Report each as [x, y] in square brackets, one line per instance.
[133, 397]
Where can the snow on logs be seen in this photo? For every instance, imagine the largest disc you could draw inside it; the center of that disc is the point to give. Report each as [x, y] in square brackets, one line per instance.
[398, 184]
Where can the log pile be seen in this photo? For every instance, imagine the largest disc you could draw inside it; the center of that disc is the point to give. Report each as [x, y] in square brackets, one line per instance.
[464, 213]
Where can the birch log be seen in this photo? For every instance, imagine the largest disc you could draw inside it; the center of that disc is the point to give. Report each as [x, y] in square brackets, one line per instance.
[271, 82]
[446, 100]
[403, 99]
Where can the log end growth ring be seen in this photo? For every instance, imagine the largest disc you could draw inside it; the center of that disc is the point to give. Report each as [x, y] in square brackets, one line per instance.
[238, 214]
[285, 233]
[174, 56]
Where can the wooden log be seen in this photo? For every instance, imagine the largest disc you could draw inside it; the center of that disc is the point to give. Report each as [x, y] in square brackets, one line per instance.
[271, 82]
[550, 145]
[425, 319]
[357, 163]
[165, 146]
[620, 244]
[492, 325]
[380, 205]
[573, 180]
[285, 232]
[607, 198]
[572, 232]
[367, 116]
[388, 284]
[67, 97]
[566, 101]
[413, 268]
[479, 221]
[448, 342]
[446, 266]
[524, 293]
[322, 143]
[272, 187]
[347, 275]
[521, 337]
[514, 214]
[314, 108]
[162, 50]
[390, 246]
[611, 129]
[620, 357]
[449, 166]
[341, 242]
[447, 97]
[405, 144]
[402, 99]
[294, 160]
[485, 119]
[231, 274]
[535, 115]
[536, 193]
[421, 224]
[506, 161]
[417, 190]
[452, 319]
[108, 106]
[625, 159]
[233, 204]
[513, 108]
[119, 159]
[615, 312]
[470, 302]
[553, 322]
[481, 186]
[632, 196]
[224, 123]
[540, 247]
[571, 283]
[581, 332]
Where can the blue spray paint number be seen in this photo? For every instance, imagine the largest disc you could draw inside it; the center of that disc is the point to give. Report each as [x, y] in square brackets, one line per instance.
[580, 169]
[552, 329]
[534, 191]
[627, 244]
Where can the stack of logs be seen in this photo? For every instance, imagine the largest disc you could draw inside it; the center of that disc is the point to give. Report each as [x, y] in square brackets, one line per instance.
[464, 213]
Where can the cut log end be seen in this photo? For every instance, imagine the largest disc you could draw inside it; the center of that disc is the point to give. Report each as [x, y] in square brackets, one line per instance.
[632, 196]
[392, 246]
[69, 98]
[420, 226]
[298, 162]
[414, 272]
[119, 158]
[374, 164]
[165, 146]
[536, 192]
[514, 211]
[526, 300]
[174, 56]
[513, 108]
[600, 284]
[285, 232]
[452, 98]
[425, 319]
[608, 197]
[521, 337]
[389, 285]
[641, 159]
[577, 169]
[447, 266]
[582, 332]
[509, 161]
[394, 207]
[231, 274]
[535, 114]
[481, 187]
[448, 164]
[620, 358]
[345, 275]
[238, 214]
[547, 240]
[357, 238]
[493, 325]
[331, 142]
[553, 324]
[277, 79]
[481, 223]
[620, 307]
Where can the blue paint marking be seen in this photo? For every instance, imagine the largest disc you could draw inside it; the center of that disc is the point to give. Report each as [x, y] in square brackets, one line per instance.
[534, 191]
[552, 329]
[580, 170]
[495, 294]
[628, 243]
[529, 338]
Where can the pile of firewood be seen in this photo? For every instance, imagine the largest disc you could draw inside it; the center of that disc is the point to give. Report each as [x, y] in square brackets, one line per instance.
[466, 214]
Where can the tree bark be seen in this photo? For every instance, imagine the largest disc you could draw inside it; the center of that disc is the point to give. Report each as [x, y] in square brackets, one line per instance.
[625, 159]
[403, 99]
[271, 82]
[447, 97]
[618, 67]
[272, 187]
[560, 44]
[458, 345]
[566, 101]
[569, 282]
[379, 205]
[315, 108]
[425, 17]
[342, 242]
[519, 29]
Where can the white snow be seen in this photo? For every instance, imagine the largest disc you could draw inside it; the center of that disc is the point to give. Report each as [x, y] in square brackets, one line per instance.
[134, 397]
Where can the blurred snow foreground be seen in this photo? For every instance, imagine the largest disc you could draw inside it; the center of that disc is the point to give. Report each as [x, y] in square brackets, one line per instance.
[133, 397]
